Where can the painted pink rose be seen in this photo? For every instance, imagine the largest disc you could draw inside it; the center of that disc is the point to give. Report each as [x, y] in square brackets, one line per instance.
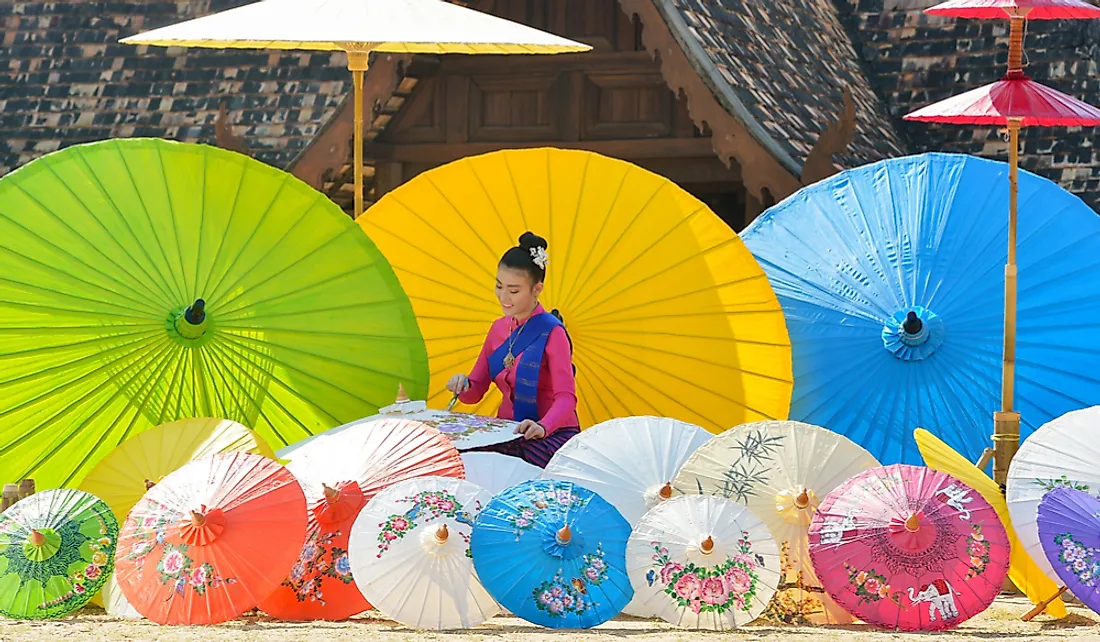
[522, 522]
[91, 571]
[747, 560]
[431, 500]
[149, 523]
[687, 587]
[977, 549]
[713, 591]
[592, 574]
[669, 570]
[173, 562]
[545, 597]
[557, 591]
[872, 585]
[198, 576]
[696, 606]
[389, 536]
[567, 600]
[738, 581]
[556, 606]
[139, 549]
[596, 563]
[446, 505]
[399, 524]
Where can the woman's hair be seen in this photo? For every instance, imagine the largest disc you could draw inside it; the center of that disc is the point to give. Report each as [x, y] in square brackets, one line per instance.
[527, 256]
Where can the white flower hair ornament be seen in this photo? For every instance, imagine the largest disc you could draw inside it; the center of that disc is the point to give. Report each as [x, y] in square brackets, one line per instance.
[539, 258]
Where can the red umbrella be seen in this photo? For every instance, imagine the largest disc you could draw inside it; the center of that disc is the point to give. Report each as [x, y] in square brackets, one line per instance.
[1014, 97]
[1030, 9]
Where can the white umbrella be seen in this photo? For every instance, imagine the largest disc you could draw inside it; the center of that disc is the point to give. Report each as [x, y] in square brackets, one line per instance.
[780, 470]
[628, 461]
[115, 603]
[1062, 452]
[359, 27]
[410, 550]
[703, 563]
[495, 471]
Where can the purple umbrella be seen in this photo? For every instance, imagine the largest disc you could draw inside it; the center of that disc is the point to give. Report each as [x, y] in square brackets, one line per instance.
[1069, 531]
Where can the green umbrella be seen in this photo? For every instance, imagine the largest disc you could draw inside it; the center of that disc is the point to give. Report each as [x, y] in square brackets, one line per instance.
[57, 549]
[144, 281]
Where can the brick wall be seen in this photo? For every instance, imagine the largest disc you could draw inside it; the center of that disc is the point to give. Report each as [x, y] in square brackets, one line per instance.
[915, 59]
[65, 79]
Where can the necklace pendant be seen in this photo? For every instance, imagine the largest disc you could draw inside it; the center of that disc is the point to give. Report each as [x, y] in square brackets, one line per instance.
[509, 360]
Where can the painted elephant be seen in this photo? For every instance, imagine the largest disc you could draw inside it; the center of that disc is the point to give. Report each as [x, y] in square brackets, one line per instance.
[940, 596]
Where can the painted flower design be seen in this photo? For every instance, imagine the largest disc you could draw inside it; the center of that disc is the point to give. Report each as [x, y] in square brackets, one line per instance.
[730, 585]
[540, 500]
[1082, 561]
[978, 550]
[870, 586]
[426, 507]
[559, 597]
[178, 569]
[172, 563]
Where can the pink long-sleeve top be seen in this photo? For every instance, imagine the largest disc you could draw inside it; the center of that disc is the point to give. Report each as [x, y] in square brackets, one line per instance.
[556, 399]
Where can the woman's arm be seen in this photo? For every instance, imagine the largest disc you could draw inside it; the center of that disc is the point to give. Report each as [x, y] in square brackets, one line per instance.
[479, 377]
[559, 360]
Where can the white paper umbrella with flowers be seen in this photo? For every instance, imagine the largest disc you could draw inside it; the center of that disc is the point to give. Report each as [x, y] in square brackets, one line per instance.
[410, 552]
[703, 563]
[780, 470]
[1062, 452]
[496, 472]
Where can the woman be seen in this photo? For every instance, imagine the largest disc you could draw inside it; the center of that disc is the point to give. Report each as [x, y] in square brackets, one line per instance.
[528, 356]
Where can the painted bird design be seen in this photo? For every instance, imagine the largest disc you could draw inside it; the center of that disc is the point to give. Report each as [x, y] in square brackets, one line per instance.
[651, 577]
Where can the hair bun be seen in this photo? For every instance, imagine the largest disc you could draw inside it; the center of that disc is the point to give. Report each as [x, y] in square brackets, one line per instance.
[529, 240]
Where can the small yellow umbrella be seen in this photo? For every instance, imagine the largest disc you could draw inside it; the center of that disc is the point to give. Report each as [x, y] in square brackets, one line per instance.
[1022, 570]
[359, 27]
[669, 314]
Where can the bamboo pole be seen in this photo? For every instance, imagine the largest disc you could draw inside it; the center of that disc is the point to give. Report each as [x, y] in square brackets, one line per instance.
[358, 60]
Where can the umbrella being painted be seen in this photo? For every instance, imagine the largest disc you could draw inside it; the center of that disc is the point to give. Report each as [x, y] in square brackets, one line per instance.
[891, 279]
[146, 281]
[668, 314]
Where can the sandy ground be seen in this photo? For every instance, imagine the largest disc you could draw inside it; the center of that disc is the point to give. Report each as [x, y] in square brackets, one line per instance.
[1000, 622]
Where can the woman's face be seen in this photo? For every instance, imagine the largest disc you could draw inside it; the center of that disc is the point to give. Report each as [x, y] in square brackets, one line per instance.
[518, 296]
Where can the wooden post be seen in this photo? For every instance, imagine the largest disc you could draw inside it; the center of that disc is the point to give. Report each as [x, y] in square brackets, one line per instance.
[358, 59]
[10, 496]
[26, 488]
[1006, 422]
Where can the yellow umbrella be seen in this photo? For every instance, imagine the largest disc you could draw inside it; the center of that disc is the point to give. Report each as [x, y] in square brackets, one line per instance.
[1022, 570]
[668, 312]
[359, 27]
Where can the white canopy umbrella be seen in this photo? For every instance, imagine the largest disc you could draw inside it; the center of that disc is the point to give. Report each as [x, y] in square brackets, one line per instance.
[359, 27]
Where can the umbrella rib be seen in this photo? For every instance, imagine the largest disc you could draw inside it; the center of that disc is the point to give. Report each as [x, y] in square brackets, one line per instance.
[245, 272]
[567, 297]
[175, 220]
[215, 286]
[103, 192]
[573, 224]
[152, 225]
[68, 365]
[255, 402]
[458, 214]
[609, 365]
[710, 362]
[228, 313]
[69, 295]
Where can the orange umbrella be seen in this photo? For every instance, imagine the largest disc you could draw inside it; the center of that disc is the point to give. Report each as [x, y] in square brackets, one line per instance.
[211, 539]
[340, 473]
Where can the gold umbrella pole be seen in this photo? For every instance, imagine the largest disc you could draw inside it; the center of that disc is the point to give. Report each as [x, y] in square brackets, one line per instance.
[358, 59]
[1006, 422]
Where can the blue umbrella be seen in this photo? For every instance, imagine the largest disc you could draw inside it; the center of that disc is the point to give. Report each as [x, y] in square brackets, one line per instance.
[891, 278]
[554, 554]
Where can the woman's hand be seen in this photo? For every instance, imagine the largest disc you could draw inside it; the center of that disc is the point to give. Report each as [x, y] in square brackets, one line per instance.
[458, 384]
[530, 429]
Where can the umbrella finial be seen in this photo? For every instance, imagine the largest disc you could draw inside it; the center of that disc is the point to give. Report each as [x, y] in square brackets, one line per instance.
[36, 538]
[803, 499]
[198, 520]
[707, 547]
[149, 483]
[912, 324]
[564, 535]
[666, 491]
[912, 524]
[441, 534]
[402, 396]
[196, 312]
[331, 494]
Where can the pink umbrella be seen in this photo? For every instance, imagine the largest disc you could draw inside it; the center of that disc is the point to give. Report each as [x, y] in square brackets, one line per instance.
[1030, 9]
[909, 548]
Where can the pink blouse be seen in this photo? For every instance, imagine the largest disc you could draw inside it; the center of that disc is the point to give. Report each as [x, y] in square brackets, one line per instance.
[556, 399]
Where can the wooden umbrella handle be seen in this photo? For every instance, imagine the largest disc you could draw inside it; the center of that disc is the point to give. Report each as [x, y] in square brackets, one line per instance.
[1042, 606]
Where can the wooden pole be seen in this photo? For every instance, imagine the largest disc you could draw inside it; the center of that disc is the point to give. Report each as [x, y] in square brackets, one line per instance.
[358, 60]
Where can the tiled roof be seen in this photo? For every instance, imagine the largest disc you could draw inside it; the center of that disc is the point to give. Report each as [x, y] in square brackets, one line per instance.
[781, 67]
[67, 80]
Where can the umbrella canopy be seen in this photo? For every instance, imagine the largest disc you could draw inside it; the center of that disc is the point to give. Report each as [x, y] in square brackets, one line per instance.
[628, 461]
[1062, 452]
[149, 281]
[1030, 9]
[780, 470]
[496, 472]
[211, 540]
[464, 430]
[114, 601]
[57, 549]
[1015, 97]
[122, 477]
[703, 563]
[341, 474]
[668, 313]
[1023, 572]
[411, 544]
[851, 256]
[1069, 531]
[909, 548]
[397, 26]
[554, 554]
